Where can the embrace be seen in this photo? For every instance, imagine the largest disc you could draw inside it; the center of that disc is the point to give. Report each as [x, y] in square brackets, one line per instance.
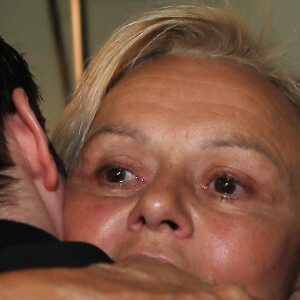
[181, 148]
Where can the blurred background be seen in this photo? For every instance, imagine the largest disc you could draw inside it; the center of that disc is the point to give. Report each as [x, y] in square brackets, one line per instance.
[41, 30]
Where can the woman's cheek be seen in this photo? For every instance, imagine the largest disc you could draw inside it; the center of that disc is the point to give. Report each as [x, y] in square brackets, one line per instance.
[239, 248]
[90, 218]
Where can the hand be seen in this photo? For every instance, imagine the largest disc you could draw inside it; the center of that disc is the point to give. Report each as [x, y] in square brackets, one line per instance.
[133, 279]
[295, 295]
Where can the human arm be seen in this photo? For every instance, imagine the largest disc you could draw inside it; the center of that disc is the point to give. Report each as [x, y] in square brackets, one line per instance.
[134, 279]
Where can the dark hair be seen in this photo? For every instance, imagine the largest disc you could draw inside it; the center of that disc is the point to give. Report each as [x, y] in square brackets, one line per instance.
[14, 73]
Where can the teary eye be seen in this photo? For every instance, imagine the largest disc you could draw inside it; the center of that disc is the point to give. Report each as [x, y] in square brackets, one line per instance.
[118, 175]
[115, 176]
[225, 184]
[231, 185]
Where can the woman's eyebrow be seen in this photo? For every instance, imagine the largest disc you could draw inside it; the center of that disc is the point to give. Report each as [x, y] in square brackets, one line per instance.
[242, 143]
[134, 134]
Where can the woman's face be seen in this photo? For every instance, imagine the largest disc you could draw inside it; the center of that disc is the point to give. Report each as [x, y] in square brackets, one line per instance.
[194, 163]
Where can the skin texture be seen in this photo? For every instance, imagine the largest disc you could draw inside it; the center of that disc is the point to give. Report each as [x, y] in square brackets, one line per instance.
[173, 129]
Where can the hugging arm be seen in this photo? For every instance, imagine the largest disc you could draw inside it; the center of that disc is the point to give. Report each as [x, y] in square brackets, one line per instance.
[142, 278]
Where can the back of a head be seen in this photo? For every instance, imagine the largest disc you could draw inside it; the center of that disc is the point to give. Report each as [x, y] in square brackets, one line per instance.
[14, 73]
[185, 30]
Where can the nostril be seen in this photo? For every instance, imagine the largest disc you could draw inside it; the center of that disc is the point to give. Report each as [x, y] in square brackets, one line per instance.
[143, 220]
[172, 224]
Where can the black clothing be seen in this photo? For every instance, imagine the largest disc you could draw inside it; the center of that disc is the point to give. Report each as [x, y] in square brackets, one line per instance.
[24, 246]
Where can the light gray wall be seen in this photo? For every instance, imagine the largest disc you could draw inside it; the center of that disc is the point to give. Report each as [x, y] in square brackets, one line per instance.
[26, 25]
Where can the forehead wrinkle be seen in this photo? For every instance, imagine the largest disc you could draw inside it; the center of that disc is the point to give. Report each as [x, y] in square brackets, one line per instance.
[229, 104]
[134, 134]
[254, 97]
[141, 79]
[252, 78]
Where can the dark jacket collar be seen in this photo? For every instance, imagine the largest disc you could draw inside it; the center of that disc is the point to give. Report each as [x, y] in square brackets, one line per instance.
[15, 233]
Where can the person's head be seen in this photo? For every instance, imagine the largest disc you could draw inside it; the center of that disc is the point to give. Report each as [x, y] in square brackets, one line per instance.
[30, 187]
[182, 143]
[193, 31]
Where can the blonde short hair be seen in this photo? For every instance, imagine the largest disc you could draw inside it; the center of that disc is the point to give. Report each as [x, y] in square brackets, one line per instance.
[185, 30]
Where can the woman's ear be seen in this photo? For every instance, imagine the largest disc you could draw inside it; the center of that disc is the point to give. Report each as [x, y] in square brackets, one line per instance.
[32, 141]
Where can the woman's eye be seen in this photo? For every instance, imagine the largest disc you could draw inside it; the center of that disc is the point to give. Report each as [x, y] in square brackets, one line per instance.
[115, 180]
[225, 185]
[228, 187]
[118, 175]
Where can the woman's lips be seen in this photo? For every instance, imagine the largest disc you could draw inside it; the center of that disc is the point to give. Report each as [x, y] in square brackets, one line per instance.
[159, 257]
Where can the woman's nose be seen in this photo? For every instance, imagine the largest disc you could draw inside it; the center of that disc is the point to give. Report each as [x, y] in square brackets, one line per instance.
[160, 209]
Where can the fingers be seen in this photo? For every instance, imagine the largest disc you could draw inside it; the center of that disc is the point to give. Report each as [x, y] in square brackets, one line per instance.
[231, 292]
